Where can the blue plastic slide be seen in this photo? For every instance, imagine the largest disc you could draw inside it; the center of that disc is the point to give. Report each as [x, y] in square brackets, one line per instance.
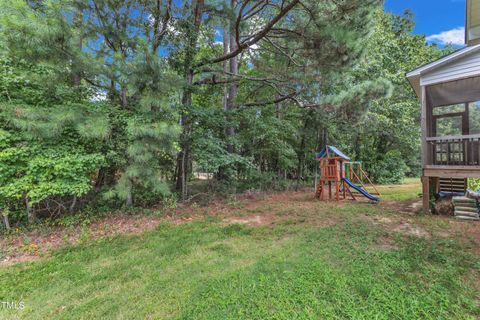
[360, 189]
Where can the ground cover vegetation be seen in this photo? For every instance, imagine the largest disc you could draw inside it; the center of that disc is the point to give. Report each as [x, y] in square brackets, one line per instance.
[277, 256]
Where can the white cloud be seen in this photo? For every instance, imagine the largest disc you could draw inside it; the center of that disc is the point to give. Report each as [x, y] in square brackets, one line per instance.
[455, 37]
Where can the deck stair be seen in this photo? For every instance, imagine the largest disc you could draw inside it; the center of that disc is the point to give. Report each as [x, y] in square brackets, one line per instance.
[466, 208]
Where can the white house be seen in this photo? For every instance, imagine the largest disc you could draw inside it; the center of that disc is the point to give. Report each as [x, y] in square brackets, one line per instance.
[449, 91]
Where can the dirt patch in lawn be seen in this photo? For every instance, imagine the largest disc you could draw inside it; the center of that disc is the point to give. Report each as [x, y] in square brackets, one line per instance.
[410, 208]
[401, 224]
[384, 243]
[409, 229]
[31, 245]
[409, 220]
[285, 207]
[252, 221]
[467, 231]
[253, 210]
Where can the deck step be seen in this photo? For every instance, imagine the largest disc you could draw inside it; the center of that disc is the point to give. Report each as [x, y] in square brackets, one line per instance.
[465, 205]
[466, 213]
[467, 218]
[472, 205]
[463, 200]
[466, 209]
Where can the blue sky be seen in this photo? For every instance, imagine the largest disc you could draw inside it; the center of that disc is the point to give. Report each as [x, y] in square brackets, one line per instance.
[441, 20]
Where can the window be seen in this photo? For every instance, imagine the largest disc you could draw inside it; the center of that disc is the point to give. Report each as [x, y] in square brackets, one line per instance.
[449, 126]
[452, 120]
[474, 117]
[438, 111]
[449, 120]
[473, 22]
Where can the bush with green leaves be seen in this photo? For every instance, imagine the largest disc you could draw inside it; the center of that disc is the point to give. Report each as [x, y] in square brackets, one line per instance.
[474, 184]
[32, 172]
[389, 169]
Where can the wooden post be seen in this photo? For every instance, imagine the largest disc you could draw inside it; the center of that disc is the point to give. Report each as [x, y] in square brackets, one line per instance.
[424, 126]
[436, 182]
[466, 131]
[426, 159]
[426, 194]
[337, 190]
[324, 185]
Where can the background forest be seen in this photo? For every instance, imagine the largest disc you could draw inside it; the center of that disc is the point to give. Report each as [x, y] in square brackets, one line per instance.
[109, 103]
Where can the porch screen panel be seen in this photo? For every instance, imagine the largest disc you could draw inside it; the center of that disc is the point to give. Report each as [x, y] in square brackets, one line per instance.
[473, 21]
[454, 92]
[449, 126]
[474, 117]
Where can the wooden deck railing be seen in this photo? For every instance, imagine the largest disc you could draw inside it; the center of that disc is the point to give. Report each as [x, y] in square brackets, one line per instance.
[454, 150]
[330, 171]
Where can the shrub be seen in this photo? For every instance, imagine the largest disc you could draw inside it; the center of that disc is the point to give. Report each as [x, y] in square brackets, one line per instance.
[33, 172]
[474, 184]
[389, 169]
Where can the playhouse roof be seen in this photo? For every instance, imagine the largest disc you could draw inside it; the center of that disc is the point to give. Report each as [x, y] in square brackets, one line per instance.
[332, 151]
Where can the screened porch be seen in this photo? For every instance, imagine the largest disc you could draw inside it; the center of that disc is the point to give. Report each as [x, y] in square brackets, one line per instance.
[452, 123]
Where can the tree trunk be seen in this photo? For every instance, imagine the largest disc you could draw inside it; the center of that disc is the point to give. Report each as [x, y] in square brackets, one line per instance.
[123, 96]
[226, 40]
[72, 206]
[183, 156]
[301, 155]
[325, 136]
[30, 212]
[233, 88]
[129, 198]
[129, 185]
[78, 20]
[356, 148]
[230, 68]
[182, 160]
[278, 108]
[6, 221]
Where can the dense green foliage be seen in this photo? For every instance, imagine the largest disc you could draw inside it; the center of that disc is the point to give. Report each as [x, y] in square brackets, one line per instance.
[48, 139]
[384, 132]
[121, 102]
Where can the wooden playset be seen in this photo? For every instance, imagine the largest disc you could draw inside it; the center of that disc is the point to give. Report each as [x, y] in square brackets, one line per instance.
[339, 176]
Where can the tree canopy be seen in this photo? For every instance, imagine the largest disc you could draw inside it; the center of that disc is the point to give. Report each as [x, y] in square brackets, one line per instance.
[121, 102]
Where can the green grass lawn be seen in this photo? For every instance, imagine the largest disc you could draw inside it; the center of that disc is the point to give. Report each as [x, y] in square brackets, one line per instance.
[288, 270]
[411, 189]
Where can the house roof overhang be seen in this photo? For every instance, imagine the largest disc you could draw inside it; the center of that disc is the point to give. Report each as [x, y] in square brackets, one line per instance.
[414, 76]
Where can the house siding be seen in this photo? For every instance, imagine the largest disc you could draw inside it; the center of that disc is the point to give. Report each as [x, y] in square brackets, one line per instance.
[468, 66]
